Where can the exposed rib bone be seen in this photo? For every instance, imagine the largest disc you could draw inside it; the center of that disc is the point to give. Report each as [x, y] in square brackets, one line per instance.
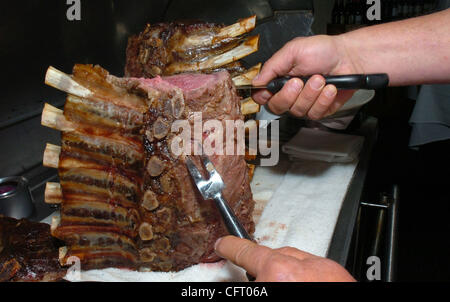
[249, 106]
[51, 156]
[64, 82]
[231, 31]
[238, 28]
[145, 231]
[53, 117]
[53, 193]
[147, 255]
[247, 77]
[56, 220]
[62, 255]
[249, 46]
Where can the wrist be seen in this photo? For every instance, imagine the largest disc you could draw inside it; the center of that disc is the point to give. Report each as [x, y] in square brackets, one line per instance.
[349, 60]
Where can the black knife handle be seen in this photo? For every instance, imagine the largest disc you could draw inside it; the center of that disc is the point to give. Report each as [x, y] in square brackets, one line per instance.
[352, 81]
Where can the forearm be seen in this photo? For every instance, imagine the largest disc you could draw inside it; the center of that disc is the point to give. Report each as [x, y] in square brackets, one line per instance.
[413, 51]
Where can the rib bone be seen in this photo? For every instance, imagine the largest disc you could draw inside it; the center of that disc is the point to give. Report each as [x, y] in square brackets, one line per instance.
[239, 28]
[247, 77]
[51, 156]
[53, 193]
[234, 30]
[53, 117]
[145, 231]
[62, 255]
[249, 106]
[56, 220]
[64, 82]
[249, 46]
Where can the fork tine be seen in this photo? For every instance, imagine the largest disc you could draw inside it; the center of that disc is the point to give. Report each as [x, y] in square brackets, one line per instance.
[207, 164]
[212, 172]
[195, 173]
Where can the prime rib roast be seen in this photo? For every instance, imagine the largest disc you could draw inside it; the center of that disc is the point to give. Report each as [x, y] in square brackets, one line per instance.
[127, 199]
[28, 252]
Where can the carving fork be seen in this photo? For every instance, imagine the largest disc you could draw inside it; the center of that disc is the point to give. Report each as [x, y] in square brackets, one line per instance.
[211, 189]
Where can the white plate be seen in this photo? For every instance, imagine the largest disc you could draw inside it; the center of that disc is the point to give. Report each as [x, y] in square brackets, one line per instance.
[360, 98]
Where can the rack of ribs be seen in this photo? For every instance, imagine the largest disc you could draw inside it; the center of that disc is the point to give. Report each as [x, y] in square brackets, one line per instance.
[126, 198]
[180, 47]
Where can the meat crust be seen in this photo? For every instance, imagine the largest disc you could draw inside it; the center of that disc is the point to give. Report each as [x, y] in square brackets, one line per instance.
[28, 252]
[151, 52]
[128, 200]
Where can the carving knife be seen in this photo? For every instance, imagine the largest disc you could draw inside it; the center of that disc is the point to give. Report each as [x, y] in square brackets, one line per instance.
[352, 81]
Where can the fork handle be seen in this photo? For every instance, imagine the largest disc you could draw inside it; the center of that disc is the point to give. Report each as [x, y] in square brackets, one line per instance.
[232, 223]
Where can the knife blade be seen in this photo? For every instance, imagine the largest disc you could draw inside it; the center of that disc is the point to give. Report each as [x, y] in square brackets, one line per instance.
[351, 81]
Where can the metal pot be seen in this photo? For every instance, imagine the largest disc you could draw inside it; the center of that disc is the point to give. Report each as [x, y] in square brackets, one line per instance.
[15, 197]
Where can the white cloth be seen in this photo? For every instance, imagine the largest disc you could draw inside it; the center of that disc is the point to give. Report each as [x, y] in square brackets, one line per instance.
[304, 209]
[320, 145]
[297, 204]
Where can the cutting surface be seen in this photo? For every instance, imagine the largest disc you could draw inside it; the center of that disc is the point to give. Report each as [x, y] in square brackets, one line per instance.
[297, 204]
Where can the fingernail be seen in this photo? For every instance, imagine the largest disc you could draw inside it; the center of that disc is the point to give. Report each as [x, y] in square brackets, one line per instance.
[265, 95]
[330, 91]
[296, 85]
[257, 80]
[317, 83]
[216, 245]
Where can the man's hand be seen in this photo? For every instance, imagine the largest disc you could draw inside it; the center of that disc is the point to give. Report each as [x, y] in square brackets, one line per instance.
[285, 264]
[306, 56]
[412, 52]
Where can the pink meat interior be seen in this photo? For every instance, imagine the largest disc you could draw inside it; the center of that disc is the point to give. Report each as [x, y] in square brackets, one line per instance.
[188, 82]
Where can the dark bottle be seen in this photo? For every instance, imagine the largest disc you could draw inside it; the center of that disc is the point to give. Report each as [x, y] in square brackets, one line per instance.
[405, 9]
[429, 6]
[341, 12]
[335, 13]
[394, 10]
[388, 10]
[426, 7]
[418, 8]
[358, 12]
[401, 6]
[411, 5]
[399, 9]
[349, 16]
